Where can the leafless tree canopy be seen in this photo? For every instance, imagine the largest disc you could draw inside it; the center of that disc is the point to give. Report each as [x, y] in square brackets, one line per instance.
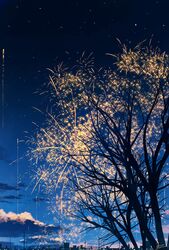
[107, 138]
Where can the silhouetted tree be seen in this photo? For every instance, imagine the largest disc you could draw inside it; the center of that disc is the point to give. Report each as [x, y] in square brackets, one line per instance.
[108, 135]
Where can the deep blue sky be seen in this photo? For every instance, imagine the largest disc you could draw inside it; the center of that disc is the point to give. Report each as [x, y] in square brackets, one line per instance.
[37, 34]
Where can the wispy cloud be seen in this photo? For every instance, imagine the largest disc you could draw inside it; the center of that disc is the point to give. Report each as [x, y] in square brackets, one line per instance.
[9, 187]
[40, 199]
[10, 198]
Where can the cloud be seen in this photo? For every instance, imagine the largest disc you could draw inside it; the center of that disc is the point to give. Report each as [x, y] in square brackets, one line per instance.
[5, 201]
[34, 239]
[7, 187]
[12, 224]
[40, 199]
[42, 239]
[9, 198]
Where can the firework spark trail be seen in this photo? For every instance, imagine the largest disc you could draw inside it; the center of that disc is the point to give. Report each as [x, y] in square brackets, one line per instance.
[68, 142]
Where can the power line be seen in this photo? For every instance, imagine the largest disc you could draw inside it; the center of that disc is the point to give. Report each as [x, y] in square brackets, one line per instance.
[3, 90]
[17, 175]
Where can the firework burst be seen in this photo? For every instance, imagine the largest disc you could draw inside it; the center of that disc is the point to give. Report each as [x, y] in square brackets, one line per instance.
[88, 103]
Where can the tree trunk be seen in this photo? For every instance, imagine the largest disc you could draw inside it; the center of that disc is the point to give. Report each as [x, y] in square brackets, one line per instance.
[143, 224]
[157, 219]
[133, 240]
[120, 238]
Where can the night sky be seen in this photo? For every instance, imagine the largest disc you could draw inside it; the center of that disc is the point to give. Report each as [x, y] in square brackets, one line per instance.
[38, 34]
